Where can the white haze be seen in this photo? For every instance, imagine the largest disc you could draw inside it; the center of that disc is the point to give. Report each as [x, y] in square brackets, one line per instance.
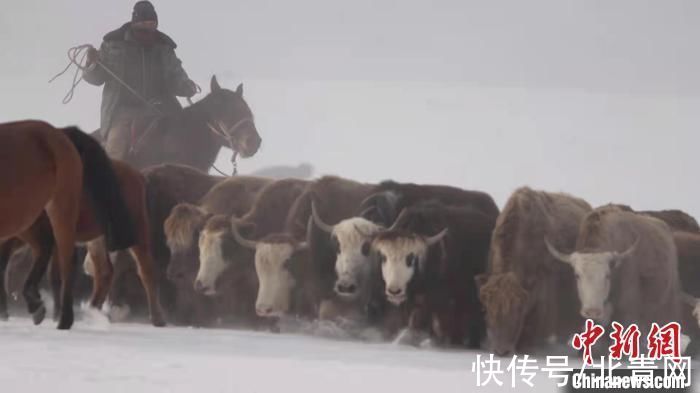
[597, 98]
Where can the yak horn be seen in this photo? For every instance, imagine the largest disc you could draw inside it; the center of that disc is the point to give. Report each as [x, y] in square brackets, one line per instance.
[317, 220]
[371, 198]
[436, 238]
[629, 251]
[366, 212]
[556, 254]
[398, 219]
[242, 241]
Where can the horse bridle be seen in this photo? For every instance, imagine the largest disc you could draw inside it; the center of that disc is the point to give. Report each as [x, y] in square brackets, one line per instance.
[227, 134]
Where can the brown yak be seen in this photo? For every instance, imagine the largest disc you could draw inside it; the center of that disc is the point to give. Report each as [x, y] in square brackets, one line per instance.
[528, 295]
[429, 258]
[678, 220]
[221, 246]
[626, 269]
[350, 238]
[688, 248]
[234, 196]
[295, 267]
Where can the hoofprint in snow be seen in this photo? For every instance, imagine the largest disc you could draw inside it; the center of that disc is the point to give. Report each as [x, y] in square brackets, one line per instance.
[125, 357]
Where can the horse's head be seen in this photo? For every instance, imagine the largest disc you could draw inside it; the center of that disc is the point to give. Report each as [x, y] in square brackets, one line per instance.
[231, 118]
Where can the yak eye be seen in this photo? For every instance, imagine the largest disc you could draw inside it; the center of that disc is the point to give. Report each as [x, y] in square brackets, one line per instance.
[578, 277]
[382, 258]
[365, 248]
[409, 260]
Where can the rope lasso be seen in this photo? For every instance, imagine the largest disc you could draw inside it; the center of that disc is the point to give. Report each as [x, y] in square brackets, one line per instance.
[80, 51]
[73, 54]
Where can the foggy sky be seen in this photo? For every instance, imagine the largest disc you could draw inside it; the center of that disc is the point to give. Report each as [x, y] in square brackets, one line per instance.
[597, 98]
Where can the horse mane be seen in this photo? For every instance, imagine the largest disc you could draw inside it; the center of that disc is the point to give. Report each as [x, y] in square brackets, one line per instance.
[103, 187]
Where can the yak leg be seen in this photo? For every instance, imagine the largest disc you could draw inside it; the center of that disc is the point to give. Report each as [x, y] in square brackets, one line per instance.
[419, 324]
[548, 310]
[474, 320]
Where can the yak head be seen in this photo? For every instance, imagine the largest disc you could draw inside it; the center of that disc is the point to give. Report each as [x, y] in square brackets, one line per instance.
[593, 271]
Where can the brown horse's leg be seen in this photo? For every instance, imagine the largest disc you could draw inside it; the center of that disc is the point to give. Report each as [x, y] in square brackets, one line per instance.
[102, 272]
[55, 282]
[6, 249]
[63, 214]
[144, 263]
[40, 238]
[42, 256]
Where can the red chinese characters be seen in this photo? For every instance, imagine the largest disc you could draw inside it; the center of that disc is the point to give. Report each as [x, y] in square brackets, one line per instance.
[625, 341]
[664, 341]
[587, 339]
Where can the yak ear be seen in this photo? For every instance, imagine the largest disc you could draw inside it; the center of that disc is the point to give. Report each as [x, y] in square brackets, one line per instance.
[616, 262]
[215, 84]
[239, 90]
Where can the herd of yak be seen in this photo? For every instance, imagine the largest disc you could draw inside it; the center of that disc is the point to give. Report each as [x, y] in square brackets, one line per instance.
[411, 261]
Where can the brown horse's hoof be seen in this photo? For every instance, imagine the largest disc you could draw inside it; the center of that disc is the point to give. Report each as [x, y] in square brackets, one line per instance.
[158, 321]
[38, 315]
[66, 321]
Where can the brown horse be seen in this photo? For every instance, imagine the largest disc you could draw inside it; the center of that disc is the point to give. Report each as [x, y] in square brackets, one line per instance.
[194, 135]
[166, 186]
[45, 169]
[88, 231]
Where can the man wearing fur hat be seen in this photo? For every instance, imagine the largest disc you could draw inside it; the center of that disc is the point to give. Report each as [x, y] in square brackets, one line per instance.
[144, 59]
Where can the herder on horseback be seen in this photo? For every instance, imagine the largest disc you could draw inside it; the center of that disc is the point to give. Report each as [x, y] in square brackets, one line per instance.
[151, 78]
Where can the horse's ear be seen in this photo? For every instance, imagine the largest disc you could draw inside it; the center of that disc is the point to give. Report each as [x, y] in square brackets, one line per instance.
[239, 90]
[214, 84]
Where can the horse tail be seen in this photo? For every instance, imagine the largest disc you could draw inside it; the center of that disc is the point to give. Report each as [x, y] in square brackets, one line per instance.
[102, 186]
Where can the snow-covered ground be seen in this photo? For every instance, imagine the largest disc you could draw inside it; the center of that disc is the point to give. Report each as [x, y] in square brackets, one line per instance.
[98, 356]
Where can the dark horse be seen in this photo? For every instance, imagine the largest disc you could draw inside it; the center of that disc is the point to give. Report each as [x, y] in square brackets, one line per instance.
[45, 169]
[194, 135]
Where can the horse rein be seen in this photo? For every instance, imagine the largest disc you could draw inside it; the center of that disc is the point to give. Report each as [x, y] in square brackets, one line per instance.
[221, 131]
